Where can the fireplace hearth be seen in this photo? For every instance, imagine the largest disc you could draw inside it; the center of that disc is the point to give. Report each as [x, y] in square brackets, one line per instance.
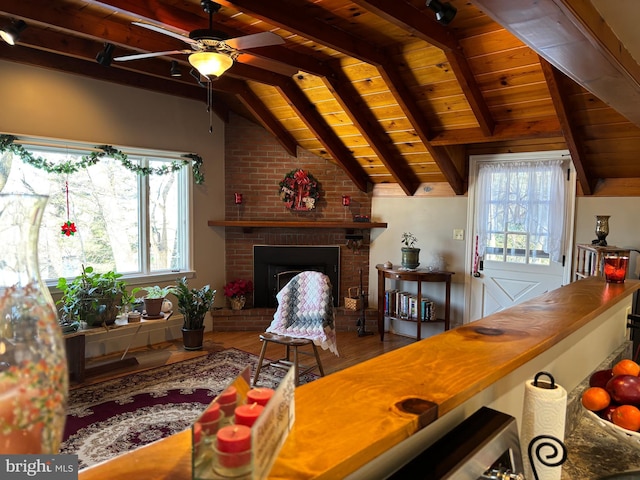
[275, 265]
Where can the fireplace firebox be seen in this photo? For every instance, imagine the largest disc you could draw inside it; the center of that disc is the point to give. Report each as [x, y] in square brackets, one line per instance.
[275, 265]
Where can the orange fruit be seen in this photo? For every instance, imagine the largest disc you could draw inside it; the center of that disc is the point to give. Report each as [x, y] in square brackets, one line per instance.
[626, 367]
[627, 416]
[595, 398]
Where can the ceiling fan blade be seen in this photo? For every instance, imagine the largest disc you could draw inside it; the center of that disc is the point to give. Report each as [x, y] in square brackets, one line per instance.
[139, 56]
[270, 65]
[262, 39]
[164, 31]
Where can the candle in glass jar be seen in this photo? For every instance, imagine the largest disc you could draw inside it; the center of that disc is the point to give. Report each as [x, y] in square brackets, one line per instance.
[248, 414]
[237, 197]
[228, 400]
[234, 446]
[259, 395]
[210, 419]
[346, 200]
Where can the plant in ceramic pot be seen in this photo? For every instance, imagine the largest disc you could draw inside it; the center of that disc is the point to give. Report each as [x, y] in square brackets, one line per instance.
[236, 291]
[154, 299]
[92, 297]
[410, 254]
[193, 304]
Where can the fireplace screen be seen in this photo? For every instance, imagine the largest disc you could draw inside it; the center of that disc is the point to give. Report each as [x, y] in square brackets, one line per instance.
[274, 266]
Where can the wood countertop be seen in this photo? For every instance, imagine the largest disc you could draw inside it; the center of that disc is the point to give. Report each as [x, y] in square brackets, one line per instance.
[346, 419]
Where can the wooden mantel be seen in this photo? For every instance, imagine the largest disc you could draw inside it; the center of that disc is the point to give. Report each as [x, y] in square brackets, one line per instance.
[294, 224]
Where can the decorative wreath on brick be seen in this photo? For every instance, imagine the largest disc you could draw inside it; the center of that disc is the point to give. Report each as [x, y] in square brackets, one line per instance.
[299, 190]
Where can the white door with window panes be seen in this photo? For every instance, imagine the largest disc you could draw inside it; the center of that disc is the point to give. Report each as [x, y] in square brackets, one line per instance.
[520, 211]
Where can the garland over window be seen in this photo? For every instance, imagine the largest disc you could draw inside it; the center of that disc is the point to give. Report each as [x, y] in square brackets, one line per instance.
[72, 166]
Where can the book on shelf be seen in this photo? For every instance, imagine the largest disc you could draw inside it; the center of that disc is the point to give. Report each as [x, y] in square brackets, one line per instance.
[390, 302]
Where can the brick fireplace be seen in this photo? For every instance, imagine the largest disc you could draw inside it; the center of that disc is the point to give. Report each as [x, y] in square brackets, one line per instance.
[255, 170]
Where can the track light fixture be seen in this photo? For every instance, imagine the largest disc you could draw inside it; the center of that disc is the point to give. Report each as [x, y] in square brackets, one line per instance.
[106, 55]
[445, 12]
[175, 69]
[11, 32]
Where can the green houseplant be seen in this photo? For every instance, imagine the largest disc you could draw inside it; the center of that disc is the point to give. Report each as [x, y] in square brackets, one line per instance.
[92, 297]
[193, 304]
[410, 254]
[154, 298]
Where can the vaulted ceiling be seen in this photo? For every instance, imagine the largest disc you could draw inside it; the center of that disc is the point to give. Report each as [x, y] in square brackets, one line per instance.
[379, 86]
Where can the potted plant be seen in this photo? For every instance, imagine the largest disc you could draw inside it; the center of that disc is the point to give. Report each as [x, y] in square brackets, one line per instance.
[410, 254]
[193, 304]
[154, 298]
[92, 297]
[236, 291]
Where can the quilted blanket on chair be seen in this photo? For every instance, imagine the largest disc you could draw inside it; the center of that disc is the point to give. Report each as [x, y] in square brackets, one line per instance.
[305, 310]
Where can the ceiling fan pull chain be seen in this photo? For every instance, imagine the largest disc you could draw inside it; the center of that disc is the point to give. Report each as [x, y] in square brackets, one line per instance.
[210, 105]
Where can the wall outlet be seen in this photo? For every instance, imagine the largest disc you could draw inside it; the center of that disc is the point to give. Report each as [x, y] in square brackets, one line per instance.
[458, 234]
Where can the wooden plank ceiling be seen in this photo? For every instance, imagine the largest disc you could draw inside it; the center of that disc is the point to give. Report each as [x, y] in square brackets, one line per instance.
[379, 86]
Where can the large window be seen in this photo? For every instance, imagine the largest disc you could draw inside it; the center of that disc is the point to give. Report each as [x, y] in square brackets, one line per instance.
[133, 224]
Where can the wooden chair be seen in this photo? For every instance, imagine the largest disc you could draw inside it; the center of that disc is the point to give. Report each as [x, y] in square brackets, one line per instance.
[290, 343]
[304, 317]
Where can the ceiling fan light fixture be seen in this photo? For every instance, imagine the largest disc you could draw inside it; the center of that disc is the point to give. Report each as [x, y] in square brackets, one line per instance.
[210, 64]
[445, 12]
[11, 32]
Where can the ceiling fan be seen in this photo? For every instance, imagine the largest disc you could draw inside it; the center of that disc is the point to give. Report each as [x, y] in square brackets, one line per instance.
[211, 54]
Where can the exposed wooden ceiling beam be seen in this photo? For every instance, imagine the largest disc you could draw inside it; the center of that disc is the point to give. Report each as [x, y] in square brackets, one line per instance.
[310, 117]
[261, 113]
[424, 27]
[572, 36]
[571, 134]
[90, 68]
[504, 131]
[364, 120]
[420, 124]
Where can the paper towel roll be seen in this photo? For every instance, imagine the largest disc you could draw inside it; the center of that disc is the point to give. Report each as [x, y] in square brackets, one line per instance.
[543, 413]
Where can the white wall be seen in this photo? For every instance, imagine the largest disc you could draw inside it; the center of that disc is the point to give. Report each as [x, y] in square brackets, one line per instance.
[44, 103]
[432, 220]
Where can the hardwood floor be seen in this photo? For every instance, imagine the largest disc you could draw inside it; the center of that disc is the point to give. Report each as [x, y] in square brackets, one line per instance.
[352, 349]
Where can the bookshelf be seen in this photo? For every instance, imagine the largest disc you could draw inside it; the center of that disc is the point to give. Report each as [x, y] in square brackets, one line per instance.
[420, 309]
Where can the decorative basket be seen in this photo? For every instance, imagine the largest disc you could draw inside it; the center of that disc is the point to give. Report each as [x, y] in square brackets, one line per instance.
[627, 436]
[354, 300]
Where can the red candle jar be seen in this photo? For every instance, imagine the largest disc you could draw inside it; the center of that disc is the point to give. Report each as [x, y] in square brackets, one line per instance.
[248, 414]
[346, 200]
[259, 395]
[237, 198]
[615, 267]
[228, 401]
[233, 447]
[210, 419]
[196, 434]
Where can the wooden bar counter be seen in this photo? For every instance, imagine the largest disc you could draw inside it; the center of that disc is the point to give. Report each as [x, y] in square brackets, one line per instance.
[347, 419]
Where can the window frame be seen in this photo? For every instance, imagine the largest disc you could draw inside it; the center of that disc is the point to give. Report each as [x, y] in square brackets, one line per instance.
[184, 181]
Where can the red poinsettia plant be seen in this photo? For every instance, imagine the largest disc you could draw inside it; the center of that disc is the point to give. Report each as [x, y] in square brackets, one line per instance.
[238, 288]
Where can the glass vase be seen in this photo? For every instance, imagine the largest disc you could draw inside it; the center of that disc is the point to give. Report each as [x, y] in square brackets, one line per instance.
[33, 365]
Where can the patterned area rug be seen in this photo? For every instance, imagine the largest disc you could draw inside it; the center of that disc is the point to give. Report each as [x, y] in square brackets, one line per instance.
[113, 417]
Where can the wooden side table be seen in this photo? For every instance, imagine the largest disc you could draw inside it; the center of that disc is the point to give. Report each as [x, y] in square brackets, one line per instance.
[590, 259]
[418, 276]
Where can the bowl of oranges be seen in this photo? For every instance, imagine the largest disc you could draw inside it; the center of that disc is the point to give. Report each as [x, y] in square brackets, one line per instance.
[613, 400]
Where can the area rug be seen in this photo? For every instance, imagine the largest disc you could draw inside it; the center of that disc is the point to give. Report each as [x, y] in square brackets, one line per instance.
[113, 417]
